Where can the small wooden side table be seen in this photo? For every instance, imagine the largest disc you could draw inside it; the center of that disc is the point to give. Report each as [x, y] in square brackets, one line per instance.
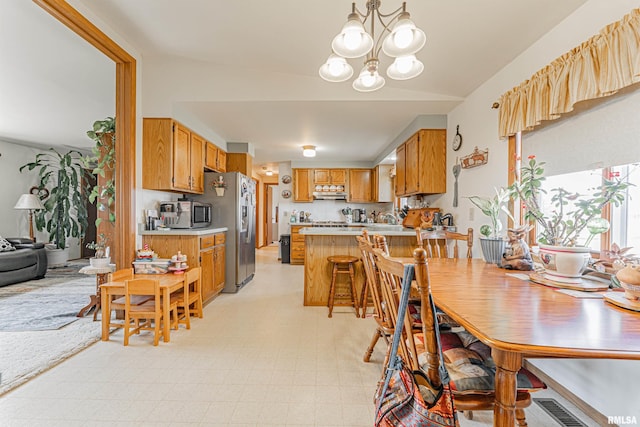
[102, 276]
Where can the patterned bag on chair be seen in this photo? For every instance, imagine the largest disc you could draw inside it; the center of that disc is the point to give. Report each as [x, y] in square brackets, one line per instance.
[406, 398]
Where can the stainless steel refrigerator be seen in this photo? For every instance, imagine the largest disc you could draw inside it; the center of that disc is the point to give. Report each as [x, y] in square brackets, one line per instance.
[236, 210]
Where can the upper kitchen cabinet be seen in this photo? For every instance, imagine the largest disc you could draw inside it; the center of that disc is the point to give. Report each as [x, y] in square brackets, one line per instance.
[215, 159]
[382, 184]
[240, 162]
[421, 162]
[360, 185]
[173, 157]
[330, 176]
[302, 185]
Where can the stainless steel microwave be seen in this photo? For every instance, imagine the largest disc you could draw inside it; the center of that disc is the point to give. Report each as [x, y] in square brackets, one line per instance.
[185, 214]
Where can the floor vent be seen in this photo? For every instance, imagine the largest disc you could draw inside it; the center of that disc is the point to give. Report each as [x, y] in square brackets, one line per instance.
[559, 412]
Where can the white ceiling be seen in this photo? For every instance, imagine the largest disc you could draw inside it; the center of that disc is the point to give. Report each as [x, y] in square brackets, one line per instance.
[54, 85]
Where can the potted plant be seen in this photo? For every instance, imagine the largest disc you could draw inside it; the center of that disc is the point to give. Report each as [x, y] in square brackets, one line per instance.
[559, 233]
[101, 163]
[219, 185]
[65, 212]
[492, 244]
[101, 257]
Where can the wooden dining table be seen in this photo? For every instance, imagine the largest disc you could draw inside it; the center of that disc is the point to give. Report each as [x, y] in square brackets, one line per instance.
[168, 283]
[518, 318]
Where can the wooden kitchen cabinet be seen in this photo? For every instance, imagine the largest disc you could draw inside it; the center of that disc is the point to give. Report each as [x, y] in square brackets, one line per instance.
[297, 245]
[173, 157]
[330, 176]
[240, 162]
[219, 259]
[215, 158]
[302, 185]
[360, 185]
[205, 251]
[421, 162]
[382, 184]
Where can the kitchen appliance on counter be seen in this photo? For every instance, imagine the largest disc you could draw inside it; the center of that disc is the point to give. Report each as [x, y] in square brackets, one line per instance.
[236, 210]
[185, 213]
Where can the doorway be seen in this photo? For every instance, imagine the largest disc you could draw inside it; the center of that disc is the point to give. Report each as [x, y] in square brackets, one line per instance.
[270, 226]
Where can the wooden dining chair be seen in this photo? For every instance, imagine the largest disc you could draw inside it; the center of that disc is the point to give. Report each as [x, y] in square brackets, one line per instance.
[468, 361]
[118, 303]
[443, 243]
[150, 312]
[384, 328]
[190, 296]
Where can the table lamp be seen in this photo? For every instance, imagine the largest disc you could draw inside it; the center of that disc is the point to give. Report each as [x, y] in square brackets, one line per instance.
[29, 202]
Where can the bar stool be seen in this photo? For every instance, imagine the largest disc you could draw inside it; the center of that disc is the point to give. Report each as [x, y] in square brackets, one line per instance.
[343, 264]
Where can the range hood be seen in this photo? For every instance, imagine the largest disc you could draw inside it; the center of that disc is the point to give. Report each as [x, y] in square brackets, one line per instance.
[329, 195]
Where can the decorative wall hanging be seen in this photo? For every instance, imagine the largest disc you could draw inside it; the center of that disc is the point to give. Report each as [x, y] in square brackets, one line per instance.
[476, 158]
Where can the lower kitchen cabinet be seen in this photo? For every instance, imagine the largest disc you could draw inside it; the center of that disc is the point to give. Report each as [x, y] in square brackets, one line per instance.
[297, 245]
[205, 251]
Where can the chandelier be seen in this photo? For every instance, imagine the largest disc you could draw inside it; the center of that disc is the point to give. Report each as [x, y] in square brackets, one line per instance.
[403, 39]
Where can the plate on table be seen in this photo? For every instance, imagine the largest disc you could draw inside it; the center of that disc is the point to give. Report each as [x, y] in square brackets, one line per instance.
[585, 285]
[618, 298]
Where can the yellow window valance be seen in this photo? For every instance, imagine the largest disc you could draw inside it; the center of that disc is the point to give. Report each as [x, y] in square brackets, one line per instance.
[602, 65]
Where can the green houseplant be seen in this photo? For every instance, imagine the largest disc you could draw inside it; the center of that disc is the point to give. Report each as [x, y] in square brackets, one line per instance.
[492, 244]
[102, 161]
[559, 232]
[65, 212]
[101, 257]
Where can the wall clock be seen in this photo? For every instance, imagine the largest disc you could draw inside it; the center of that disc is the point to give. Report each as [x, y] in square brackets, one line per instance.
[286, 194]
[286, 179]
[457, 139]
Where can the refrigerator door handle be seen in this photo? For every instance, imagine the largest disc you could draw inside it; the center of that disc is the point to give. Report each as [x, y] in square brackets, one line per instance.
[249, 223]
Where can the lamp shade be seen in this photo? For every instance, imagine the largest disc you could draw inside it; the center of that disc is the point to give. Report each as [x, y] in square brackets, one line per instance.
[353, 41]
[404, 39]
[29, 201]
[368, 80]
[405, 67]
[336, 69]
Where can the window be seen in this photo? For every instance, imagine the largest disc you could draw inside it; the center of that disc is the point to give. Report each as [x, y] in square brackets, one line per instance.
[624, 219]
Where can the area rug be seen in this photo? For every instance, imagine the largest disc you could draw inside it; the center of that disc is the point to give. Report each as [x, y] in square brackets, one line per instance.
[44, 307]
[25, 354]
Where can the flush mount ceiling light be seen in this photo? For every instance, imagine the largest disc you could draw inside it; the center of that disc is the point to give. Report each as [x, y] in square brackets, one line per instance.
[399, 38]
[309, 150]
[267, 172]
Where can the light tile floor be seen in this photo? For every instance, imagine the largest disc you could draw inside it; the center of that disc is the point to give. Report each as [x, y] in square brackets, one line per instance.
[257, 358]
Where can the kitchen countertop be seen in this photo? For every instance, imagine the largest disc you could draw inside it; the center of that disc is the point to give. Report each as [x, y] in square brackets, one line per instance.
[183, 231]
[383, 229]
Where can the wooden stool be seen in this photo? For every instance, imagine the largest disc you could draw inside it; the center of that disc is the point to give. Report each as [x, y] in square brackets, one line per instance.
[343, 264]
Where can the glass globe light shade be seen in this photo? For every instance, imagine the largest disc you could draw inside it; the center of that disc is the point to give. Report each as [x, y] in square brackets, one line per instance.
[405, 38]
[353, 41]
[309, 150]
[336, 69]
[368, 81]
[405, 67]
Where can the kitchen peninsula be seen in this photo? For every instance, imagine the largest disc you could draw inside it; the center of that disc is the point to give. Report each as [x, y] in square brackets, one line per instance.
[321, 242]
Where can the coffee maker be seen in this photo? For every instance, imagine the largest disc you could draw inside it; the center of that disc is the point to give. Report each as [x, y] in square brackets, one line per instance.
[359, 215]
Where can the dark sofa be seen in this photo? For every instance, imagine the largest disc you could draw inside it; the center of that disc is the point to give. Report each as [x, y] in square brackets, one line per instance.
[28, 261]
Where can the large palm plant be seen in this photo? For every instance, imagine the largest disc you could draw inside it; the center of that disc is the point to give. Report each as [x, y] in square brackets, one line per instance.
[65, 212]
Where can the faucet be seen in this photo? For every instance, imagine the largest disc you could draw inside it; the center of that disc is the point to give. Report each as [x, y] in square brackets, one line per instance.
[390, 218]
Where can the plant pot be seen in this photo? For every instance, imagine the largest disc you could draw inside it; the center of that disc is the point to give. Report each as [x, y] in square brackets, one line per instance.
[563, 263]
[492, 249]
[100, 262]
[220, 191]
[56, 257]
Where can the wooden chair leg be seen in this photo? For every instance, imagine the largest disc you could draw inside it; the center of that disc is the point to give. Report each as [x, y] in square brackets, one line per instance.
[332, 290]
[354, 294]
[364, 296]
[520, 417]
[374, 340]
